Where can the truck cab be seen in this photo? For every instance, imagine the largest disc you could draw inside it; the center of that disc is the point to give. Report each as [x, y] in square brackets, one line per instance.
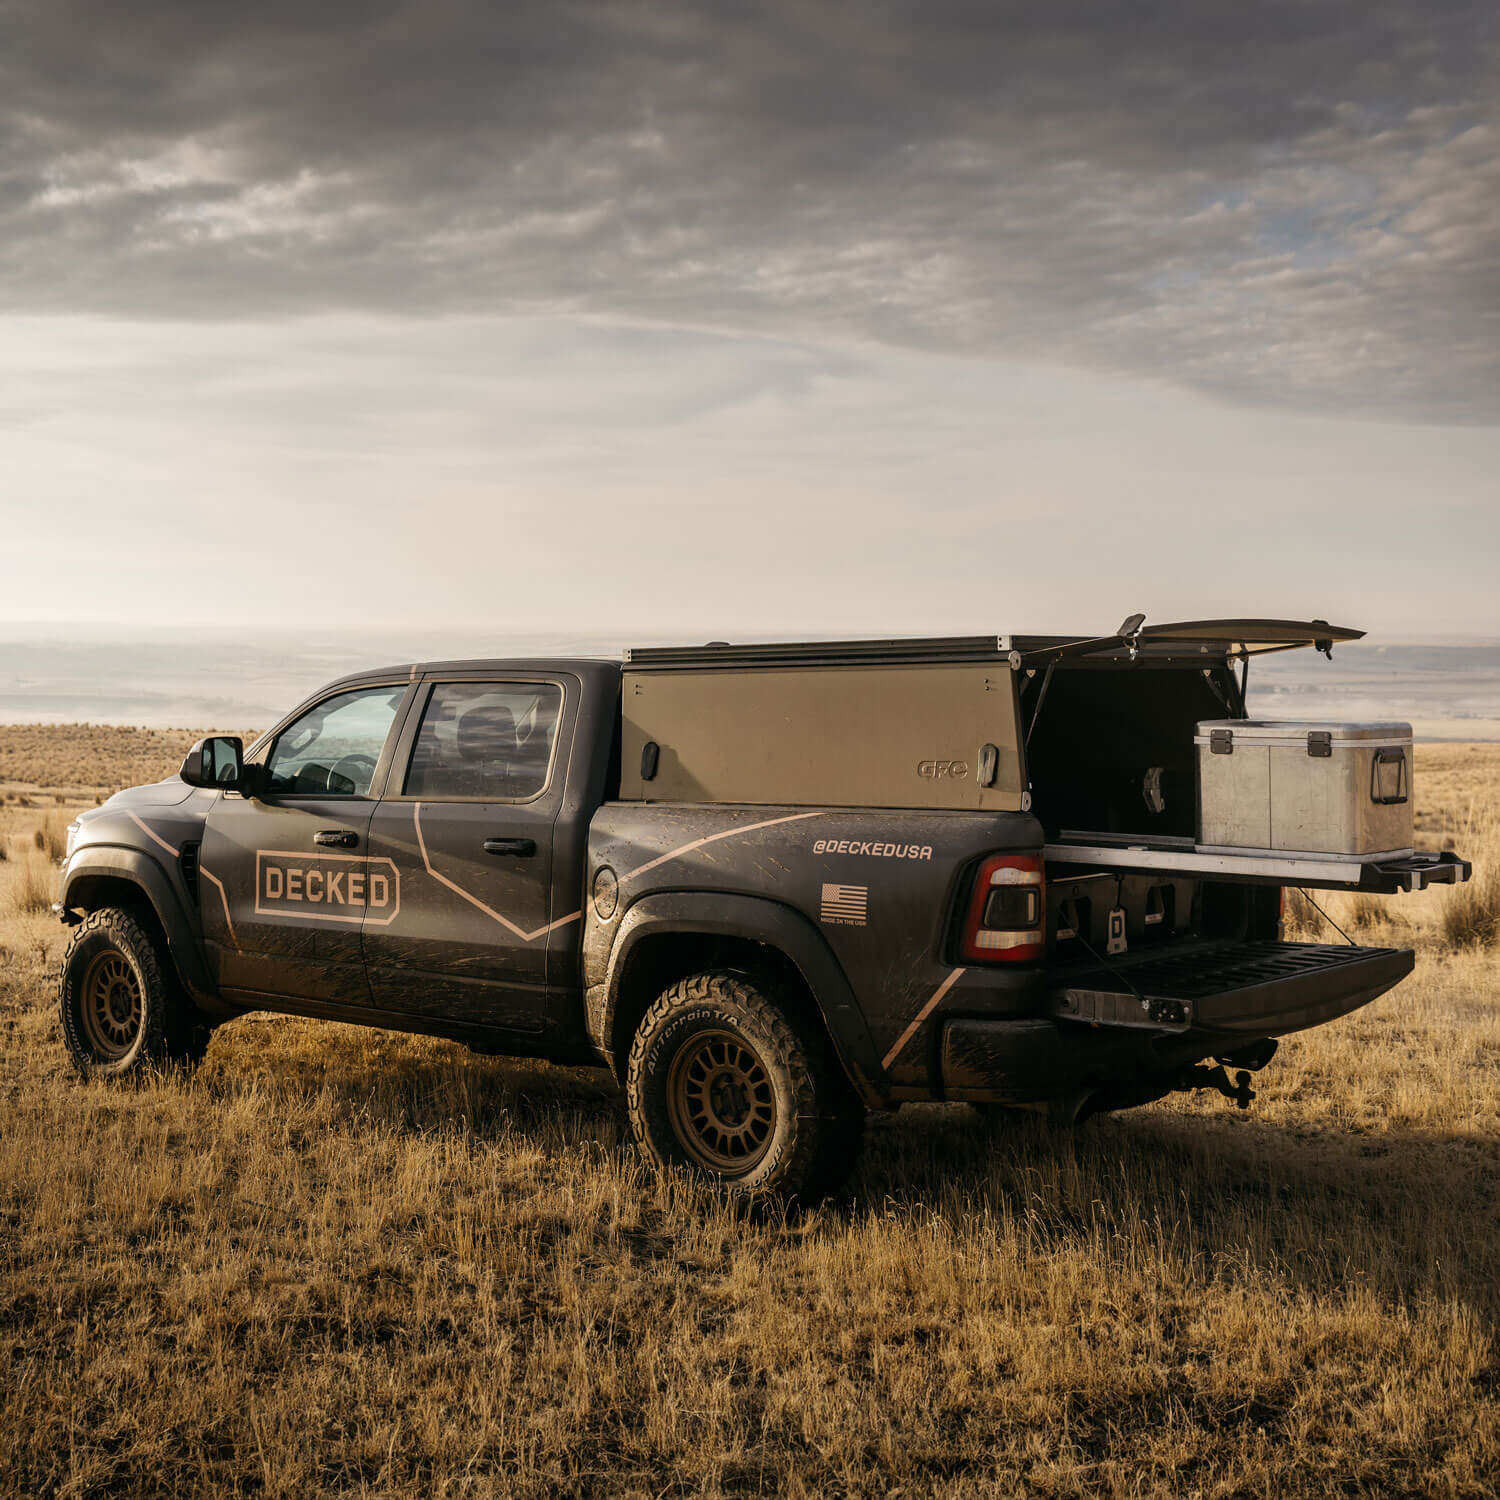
[769, 887]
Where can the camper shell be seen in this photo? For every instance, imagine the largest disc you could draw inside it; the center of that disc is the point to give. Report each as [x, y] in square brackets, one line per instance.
[1100, 737]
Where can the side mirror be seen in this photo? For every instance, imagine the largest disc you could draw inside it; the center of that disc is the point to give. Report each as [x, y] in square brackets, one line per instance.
[218, 761]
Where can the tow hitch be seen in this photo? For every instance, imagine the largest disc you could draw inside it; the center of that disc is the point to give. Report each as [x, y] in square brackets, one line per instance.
[1218, 1078]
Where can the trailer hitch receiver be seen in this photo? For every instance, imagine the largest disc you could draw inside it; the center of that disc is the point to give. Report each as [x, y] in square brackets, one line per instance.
[1218, 1079]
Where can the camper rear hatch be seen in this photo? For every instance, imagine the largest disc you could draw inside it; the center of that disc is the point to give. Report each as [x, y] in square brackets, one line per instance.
[1215, 646]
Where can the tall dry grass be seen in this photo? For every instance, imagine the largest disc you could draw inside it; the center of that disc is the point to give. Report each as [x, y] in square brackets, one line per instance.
[51, 835]
[30, 887]
[1471, 912]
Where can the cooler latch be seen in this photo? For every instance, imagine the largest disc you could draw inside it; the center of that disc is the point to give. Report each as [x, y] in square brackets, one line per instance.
[1320, 744]
[1221, 742]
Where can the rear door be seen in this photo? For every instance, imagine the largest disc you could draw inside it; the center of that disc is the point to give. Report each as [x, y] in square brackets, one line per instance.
[286, 877]
[467, 824]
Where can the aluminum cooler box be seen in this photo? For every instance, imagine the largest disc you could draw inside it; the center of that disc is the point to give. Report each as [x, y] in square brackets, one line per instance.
[1305, 787]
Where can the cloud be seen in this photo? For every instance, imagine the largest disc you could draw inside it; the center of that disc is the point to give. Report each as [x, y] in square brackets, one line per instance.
[1292, 204]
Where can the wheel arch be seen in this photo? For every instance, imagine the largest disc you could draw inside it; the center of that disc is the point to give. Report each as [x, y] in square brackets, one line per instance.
[667, 936]
[132, 880]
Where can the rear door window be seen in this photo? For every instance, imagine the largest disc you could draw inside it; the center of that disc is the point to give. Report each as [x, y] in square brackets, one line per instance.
[485, 741]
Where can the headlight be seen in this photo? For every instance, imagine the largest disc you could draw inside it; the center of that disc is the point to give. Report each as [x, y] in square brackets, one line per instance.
[74, 829]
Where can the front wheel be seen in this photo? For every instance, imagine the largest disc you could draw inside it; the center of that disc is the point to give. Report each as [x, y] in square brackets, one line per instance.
[721, 1081]
[120, 1005]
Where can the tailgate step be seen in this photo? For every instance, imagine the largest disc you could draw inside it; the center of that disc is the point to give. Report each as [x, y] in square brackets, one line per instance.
[1414, 872]
[1242, 990]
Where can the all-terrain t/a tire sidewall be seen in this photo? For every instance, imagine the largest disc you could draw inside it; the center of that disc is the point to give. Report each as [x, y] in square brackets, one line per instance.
[723, 1002]
[101, 933]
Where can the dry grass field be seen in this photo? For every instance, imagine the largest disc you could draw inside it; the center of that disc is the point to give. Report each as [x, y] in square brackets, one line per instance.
[84, 763]
[347, 1261]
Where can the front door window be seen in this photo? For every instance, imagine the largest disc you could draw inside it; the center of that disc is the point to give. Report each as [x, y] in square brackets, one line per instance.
[333, 749]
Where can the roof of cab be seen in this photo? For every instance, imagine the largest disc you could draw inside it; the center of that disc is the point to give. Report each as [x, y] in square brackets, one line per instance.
[584, 666]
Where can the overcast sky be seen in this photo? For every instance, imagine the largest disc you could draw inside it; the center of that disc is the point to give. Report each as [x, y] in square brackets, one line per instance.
[647, 317]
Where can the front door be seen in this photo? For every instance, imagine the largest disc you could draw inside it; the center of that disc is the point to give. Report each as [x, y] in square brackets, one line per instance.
[467, 824]
[286, 878]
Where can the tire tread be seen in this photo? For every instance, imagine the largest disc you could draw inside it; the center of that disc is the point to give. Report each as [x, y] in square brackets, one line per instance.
[173, 1030]
[806, 1162]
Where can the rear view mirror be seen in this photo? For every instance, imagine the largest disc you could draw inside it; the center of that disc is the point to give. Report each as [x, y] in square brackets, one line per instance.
[218, 761]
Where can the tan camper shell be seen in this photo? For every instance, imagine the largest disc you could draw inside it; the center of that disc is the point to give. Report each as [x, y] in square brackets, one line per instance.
[918, 735]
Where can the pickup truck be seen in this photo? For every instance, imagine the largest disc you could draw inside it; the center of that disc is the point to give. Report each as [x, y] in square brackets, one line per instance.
[770, 888]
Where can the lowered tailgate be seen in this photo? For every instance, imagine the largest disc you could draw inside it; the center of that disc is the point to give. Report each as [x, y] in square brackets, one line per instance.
[1236, 989]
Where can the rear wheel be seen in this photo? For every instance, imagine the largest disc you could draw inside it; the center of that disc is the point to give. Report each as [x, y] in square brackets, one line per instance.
[722, 1082]
[120, 1005]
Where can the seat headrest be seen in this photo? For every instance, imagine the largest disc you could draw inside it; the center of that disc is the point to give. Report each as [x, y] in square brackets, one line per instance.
[487, 732]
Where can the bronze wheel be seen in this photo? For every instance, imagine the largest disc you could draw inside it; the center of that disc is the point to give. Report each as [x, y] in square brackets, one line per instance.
[121, 1006]
[722, 1080]
[721, 1102]
[110, 1006]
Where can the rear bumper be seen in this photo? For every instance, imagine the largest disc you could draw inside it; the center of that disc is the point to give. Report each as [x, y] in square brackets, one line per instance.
[1152, 1015]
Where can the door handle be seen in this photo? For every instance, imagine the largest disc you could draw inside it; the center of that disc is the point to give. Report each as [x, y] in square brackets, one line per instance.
[336, 838]
[521, 848]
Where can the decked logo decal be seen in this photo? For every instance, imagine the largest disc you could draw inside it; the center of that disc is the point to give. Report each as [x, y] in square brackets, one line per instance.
[326, 887]
[846, 905]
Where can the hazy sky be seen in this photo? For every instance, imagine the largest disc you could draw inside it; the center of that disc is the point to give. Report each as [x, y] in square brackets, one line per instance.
[647, 317]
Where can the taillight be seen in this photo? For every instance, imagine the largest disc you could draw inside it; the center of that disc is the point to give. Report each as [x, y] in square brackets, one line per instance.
[1004, 920]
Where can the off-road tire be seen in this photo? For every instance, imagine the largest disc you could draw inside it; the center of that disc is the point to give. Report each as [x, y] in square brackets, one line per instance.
[151, 1023]
[817, 1122]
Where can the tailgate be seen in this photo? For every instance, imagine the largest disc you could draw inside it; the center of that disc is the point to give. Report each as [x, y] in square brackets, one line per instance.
[1236, 989]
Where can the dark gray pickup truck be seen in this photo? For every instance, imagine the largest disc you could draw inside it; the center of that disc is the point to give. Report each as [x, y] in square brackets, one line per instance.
[768, 887]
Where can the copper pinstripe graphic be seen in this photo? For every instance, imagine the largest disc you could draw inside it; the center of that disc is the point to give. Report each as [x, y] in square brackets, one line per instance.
[920, 1016]
[153, 836]
[207, 874]
[712, 838]
[489, 911]
[573, 916]
[224, 897]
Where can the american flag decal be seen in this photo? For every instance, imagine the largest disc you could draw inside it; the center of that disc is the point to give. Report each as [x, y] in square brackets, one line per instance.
[848, 904]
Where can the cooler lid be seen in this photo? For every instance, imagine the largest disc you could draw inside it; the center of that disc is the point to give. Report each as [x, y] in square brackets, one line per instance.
[1290, 731]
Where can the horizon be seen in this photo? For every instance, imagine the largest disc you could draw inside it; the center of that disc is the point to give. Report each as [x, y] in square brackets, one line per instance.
[1449, 690]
